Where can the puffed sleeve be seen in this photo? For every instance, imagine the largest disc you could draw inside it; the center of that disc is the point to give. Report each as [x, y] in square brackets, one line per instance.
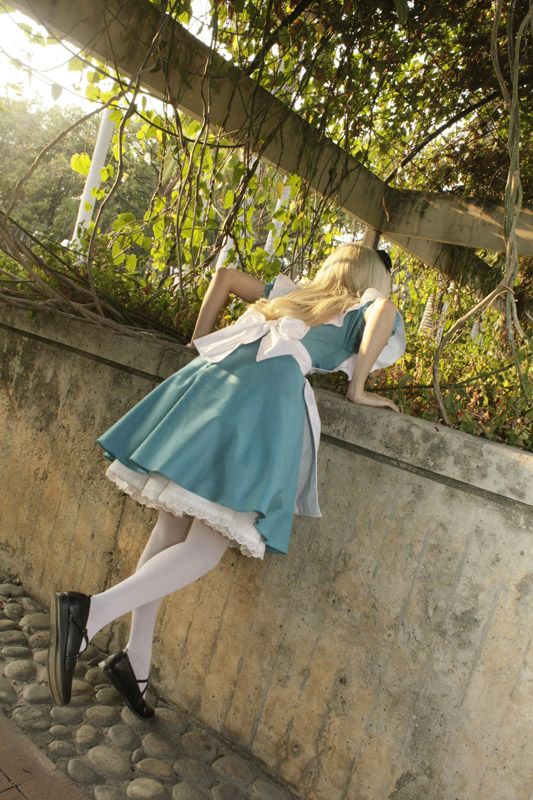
[280, 285]
[268, 287]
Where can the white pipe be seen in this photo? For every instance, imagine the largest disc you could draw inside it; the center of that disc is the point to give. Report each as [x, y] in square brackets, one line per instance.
[93, 180]
[228, 244]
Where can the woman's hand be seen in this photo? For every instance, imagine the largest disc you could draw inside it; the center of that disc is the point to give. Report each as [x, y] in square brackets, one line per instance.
[379, 321]
[363, 398]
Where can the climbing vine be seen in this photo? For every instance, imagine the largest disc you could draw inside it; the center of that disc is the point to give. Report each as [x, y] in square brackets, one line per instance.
[146, 259]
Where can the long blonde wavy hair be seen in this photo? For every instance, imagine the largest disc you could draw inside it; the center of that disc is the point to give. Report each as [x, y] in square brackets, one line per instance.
[337, 285]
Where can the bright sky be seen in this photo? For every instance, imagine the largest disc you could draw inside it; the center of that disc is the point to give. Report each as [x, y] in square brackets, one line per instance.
[40, 73]
[30, 71]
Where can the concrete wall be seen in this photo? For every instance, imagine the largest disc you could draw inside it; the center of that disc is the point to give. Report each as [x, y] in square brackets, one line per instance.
[387, 656]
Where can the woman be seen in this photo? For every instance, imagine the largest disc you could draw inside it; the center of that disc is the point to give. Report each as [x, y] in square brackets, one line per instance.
[226, 447]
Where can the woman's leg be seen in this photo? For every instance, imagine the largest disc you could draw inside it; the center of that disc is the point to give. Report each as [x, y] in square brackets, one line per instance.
[167, 571]
[168, 530]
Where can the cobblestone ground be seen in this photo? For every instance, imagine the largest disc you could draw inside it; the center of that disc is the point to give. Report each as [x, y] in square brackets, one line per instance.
[98, 742]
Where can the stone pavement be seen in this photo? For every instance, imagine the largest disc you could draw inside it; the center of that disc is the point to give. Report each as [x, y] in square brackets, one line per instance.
[26, 773]
[104, 749]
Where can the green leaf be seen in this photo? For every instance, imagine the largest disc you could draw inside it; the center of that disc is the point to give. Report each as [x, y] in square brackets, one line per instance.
[75, 64]
[467, 423]
[131, 263]
[198, 237]
[56, 91]
[249, 218]
[92, 92]
[80, 162]
[122, 220]
[402, 9]
[116, 116]
[116, 252]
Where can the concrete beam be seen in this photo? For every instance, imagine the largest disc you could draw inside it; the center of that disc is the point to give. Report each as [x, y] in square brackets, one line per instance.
[450, 219]
[459, 263]
[119, 32]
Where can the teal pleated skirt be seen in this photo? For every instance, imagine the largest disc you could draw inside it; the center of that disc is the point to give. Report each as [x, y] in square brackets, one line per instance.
[229, 432]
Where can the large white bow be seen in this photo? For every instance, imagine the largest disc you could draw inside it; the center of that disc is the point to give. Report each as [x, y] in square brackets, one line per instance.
[279, 337]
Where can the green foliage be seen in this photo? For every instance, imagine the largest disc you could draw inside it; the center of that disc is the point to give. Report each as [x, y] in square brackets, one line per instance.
[478, 379]
[375, 77]
[379, 76]
[51, 195]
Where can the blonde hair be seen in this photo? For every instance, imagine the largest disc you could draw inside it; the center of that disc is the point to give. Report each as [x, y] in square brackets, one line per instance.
[337, 285]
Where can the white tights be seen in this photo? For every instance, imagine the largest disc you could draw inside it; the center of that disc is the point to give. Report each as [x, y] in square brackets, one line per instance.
[177, 553]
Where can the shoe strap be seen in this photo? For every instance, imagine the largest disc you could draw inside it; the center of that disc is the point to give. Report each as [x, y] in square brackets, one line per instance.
[81, 631]
[93, 662]
[139, 680]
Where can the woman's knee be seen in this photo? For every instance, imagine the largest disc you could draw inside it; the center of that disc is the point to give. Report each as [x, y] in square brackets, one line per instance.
[171, 529]
[211, 541]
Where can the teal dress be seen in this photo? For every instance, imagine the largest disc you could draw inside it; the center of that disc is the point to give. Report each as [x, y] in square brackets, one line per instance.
[229, 435]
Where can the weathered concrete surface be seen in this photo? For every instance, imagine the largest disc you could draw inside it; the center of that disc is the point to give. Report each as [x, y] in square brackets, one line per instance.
[387, 656]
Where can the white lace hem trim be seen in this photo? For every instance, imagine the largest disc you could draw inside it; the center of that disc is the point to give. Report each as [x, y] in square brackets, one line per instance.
[156, 491]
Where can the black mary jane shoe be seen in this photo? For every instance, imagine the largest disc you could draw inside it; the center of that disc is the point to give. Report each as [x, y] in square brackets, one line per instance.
[69, 612]
[118, 669]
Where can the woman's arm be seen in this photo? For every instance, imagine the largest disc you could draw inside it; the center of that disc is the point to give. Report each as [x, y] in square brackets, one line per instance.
[379, 321]
[224, 282]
